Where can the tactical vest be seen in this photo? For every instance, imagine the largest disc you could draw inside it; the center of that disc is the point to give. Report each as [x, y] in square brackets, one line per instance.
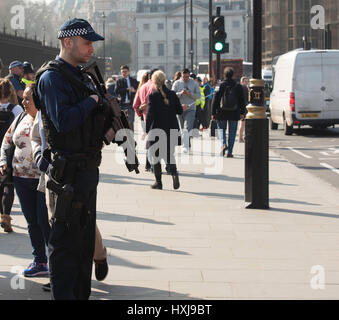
[84, 140]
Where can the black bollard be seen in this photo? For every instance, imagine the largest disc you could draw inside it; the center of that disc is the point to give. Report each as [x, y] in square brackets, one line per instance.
[256, 149]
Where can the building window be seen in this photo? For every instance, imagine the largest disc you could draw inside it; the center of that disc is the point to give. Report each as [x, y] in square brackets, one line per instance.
[160, 26]
[236, 24]
[161, 49]
[290, 5]
[176, 49]
[290, 18]
[146, 27]
[176, 26]
[147, 49]
[162, 68]
[205, 48]
[205, 25]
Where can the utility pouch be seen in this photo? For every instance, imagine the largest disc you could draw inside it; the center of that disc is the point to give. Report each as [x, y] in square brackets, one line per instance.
[63, 197]
[58, 168]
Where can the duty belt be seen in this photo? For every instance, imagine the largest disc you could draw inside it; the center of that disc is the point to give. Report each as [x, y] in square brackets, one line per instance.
[81, 161]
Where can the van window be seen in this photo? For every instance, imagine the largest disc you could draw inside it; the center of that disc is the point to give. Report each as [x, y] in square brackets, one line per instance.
[308, 78]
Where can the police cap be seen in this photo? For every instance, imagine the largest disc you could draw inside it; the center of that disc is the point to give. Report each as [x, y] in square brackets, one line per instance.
[78, 27]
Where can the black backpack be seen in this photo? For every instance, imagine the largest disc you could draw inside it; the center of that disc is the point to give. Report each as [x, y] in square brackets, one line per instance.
[229, 100]
[6, 119]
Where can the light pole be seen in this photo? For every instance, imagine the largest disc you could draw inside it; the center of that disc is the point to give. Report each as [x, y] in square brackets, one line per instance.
[256, 142]
[196, 46]
[104, 48]
[136, 49]
[44, 35]
[191, 52]
[210, 55]
[185, 28]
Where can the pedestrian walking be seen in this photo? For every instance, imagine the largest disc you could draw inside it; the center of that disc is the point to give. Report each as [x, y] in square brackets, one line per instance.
[74, 134]
[228, 107]
[29, 73]
[200, 108]
[26, 179]
[244, 84]
[177, 76]
[9, 110]
[188, 92]
[140, 103]
[126, 87]
[208, 92]
[164, 105]
[16, 72]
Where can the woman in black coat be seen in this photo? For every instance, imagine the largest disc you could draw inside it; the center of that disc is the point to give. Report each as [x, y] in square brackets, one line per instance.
[162, 128]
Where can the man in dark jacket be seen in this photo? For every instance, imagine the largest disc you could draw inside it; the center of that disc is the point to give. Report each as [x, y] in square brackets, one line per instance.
[125, 89]
[228, 90]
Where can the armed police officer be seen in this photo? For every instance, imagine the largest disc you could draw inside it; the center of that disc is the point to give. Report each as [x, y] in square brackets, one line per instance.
[73, 125]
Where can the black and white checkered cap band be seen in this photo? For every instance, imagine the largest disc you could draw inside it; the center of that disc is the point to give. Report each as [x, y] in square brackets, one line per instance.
[72, 33]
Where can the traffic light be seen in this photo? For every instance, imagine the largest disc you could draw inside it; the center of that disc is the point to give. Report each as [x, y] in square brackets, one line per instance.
[218, 35]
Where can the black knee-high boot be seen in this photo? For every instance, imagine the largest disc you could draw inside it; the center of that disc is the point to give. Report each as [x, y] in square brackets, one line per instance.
[157, 173]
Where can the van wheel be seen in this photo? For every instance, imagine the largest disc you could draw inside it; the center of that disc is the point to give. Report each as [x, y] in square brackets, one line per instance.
[273, 126]
[288, 130]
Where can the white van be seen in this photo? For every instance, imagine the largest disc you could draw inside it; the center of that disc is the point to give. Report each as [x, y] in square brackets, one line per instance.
[306, 90]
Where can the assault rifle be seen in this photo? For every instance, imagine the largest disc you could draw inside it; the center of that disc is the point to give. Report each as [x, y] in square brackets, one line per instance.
[116, 119]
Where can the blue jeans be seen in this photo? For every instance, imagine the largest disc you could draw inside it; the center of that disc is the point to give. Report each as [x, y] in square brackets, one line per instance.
[232, 132]
[186, 122]
[33, 206]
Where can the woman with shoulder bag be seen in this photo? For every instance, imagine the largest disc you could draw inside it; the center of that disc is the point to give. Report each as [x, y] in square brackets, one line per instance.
[9, 110]
[26, 179]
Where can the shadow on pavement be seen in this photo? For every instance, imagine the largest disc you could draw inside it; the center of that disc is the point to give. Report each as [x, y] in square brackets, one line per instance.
[15, 287]
[319, 133]
[293, 201]
[307, 213]
[113, 260]
[241, 197]
[127, 218]
[120, 292]
[311, 168]
[116, 179]
[134, 245]
[224, 177]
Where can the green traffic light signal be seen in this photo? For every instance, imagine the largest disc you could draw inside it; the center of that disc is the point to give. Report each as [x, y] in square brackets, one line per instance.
[218, 46]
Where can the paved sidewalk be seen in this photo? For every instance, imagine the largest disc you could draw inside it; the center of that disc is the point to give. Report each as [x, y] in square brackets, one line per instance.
[199, 242]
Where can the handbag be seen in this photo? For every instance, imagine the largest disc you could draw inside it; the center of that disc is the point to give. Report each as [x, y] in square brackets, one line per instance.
[7, 177]
[213, 127]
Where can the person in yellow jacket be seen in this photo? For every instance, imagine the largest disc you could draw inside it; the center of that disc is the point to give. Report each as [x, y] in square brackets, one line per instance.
[200, 103]
[29, 74]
